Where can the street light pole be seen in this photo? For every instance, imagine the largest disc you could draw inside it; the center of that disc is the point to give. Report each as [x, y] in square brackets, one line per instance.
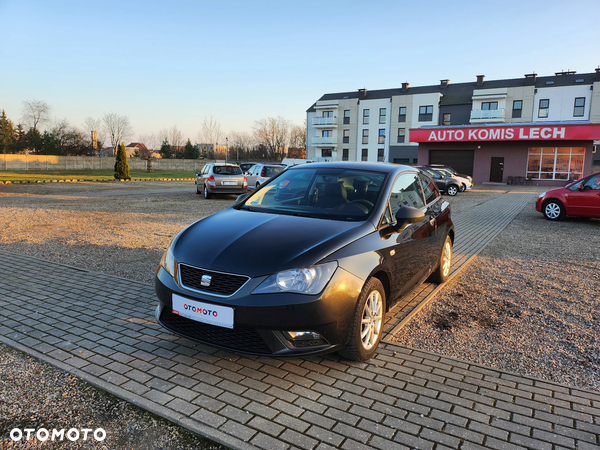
[226, 149]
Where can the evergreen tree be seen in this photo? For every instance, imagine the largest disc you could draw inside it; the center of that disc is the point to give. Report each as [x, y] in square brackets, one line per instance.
[7, 134]
[191, 151]
[121, 164]
[165, 150]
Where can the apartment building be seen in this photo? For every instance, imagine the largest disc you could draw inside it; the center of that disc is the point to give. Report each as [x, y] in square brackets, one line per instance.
[543, 129]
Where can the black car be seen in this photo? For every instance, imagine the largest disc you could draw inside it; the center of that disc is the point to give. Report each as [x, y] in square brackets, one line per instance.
[446, 184]
[328, 248]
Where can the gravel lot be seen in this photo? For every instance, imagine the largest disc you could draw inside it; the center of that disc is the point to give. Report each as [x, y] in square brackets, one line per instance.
[527, 304]
[530, 303]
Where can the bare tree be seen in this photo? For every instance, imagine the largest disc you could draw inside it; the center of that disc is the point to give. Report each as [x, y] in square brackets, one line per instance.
[273, 133]
[35, 112]
[174, 137]
[211, 132]
[242, 143]
[298, 136]
[117, 128]
[150, 140]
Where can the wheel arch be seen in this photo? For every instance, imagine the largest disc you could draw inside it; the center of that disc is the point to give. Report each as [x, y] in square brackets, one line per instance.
[384, 278]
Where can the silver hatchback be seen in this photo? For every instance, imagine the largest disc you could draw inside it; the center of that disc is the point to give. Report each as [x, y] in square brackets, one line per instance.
[217, 178]
[259, 173]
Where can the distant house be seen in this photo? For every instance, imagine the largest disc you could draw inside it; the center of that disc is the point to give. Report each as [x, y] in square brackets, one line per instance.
[136, 146]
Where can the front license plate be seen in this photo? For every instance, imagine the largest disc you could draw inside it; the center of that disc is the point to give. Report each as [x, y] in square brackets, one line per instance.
[221, 316]
[229, 183]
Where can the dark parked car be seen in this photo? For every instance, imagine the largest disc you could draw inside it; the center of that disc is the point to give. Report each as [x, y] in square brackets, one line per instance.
[451, 170]
[446, 184]
[328, 248]
[580, 198]
[220, 179]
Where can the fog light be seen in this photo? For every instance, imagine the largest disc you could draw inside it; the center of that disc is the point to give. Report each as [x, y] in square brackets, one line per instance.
[303, 335]
[305, 338]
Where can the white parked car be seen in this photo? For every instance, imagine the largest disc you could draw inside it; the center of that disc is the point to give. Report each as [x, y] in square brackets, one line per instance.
[259, 173]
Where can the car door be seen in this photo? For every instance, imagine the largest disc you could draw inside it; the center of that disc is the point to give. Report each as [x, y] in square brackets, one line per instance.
[251, 176]
[586, 201]
[410, 249]
[201, 180]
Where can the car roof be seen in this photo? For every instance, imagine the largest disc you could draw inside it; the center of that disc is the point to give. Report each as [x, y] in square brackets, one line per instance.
[356, 165]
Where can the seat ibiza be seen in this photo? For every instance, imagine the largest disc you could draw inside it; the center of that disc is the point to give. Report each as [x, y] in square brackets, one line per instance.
[309, 262]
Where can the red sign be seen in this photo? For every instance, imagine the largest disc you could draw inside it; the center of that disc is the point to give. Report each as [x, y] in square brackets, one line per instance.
[550, 132]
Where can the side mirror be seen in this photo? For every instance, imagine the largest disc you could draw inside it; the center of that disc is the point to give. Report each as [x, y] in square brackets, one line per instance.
[241, 197]
[406, 215]
[196, 174]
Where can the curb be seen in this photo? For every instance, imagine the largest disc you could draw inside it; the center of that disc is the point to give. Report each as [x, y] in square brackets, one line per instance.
[56, 180]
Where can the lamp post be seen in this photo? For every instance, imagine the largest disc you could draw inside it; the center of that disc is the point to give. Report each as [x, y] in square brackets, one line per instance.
[226, 149]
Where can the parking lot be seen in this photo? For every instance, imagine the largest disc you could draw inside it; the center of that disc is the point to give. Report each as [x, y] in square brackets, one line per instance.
[122, 229]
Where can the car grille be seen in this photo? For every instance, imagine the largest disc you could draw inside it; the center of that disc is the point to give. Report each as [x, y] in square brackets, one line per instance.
[223, 284]
[241, 338]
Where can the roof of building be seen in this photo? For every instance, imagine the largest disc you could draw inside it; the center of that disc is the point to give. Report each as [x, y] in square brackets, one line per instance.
[462, 93]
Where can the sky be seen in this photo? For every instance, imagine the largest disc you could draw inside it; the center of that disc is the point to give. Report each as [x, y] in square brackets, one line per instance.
[174, 63]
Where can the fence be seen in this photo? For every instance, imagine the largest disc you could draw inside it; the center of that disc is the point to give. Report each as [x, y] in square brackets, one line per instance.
[11, 162]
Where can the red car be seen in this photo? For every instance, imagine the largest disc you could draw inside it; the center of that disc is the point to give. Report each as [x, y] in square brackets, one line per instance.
[580, 198]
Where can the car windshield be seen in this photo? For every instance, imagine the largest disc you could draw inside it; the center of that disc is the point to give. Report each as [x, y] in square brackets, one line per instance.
[227, 170]
[325, 193]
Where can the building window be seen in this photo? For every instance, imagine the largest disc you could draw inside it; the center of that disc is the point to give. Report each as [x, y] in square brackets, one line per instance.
[401, 134]
[327, 113]
[326, 152]
[401, 160]
[346, 138]
[517, 109]
[346, 117]
[380, 154]
[402, 114]
[365, 117]
[381, 139]
[555, 163]
[426, 113]
[345, 154]
[365, 139]
[446, 119]
[578, 109]
[365, 154]
[326, 133]
[382, 115]
[544, 107]
[415, 160]
[488, 106]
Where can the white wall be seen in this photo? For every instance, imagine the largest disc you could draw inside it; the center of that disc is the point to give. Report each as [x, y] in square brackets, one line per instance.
[562, 102]
[374, 126]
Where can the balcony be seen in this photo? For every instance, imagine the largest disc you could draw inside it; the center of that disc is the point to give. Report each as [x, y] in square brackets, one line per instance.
[490, 115]
[324, 122]
[320, 141]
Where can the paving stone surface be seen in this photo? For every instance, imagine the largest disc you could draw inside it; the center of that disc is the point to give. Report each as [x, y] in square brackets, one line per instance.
[102, 328]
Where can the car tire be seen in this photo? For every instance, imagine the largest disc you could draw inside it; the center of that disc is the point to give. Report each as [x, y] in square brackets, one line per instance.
[452, 190]
[463, 187]
[207, 194]
[442, 271]
[257, 185]
[370, 307]
[197, 190]
[553, 210]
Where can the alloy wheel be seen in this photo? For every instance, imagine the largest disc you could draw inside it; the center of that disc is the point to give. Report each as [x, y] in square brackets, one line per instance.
[372, 319]
[446, 258]
[552, 211]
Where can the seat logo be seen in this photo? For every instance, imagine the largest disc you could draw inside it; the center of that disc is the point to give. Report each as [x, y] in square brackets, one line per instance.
[205, 281]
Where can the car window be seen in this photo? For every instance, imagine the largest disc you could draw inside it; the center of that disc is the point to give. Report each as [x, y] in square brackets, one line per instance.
[406, 191]
[434, 174]
[206, 169]
[272, 171]
[326, 193]
[429, 189]
[227, 170]
[593, 182]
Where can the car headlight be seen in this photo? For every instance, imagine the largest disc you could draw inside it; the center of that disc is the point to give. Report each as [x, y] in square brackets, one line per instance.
[542, 194]
[168, 260]
[307, 280]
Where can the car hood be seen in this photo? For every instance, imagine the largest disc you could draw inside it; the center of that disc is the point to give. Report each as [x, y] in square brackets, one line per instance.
[255, 244]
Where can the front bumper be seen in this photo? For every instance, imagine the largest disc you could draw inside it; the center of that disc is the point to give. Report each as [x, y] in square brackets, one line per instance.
[262, 320]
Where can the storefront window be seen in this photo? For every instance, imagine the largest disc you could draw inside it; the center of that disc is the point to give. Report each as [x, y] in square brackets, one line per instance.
[555, 163]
